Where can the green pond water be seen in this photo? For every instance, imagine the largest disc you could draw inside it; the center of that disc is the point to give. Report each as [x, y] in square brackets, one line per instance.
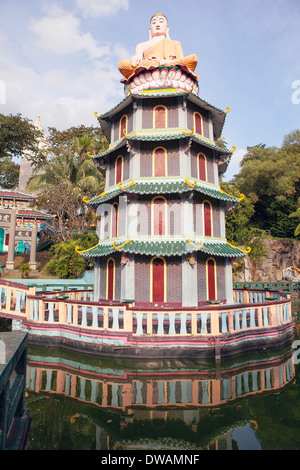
[83, 402]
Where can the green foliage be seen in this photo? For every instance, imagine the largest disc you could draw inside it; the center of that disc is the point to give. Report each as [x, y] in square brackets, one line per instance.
[9, 173]
[66, 263]
[270, 178]
[17, 135]
[24, 269]
[296, 215]
[68, 176]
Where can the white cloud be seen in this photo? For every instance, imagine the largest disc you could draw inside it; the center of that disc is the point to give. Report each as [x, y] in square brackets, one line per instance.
[234, 165]
[96, 8]
[61, 35]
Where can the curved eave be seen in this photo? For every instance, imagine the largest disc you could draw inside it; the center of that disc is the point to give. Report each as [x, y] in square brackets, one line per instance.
[218, 115]
[159, 186]
[154, 247]
[7, 194]
[157, 135]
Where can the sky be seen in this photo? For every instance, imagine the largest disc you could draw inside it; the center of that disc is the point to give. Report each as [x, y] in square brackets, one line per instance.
[59, 59]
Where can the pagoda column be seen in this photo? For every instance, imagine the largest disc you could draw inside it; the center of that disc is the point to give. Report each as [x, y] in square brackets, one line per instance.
[10, 263]
[32, 260]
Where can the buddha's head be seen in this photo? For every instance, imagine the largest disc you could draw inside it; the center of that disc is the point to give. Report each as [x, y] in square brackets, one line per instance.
[159, 26]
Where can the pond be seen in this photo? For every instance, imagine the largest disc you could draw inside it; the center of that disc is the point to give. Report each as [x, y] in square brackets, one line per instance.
[83, 402]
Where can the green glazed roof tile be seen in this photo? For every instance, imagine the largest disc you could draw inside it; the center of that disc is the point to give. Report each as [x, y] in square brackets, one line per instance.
[158, 135]
[158, 186]
[162, 247]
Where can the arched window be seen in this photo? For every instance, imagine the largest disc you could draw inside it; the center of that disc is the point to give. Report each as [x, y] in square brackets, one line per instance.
[119, 169]
[202, 169]
[211, 279]
[110, 279]
[123, 126]
[159, 209]
[207, 218]
[158, 279]
[159, 162]
[114, 220]
[160, 117]
[198, 123]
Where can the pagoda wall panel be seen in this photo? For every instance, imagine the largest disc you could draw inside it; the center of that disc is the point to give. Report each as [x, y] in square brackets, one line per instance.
[174, 279]
[142, 278]
[201, 276]
[128, 111]
[148, 112]
[195, 150]
[173, 160]
[191, 109]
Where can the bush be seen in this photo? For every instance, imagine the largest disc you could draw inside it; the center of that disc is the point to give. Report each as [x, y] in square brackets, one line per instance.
[66, 263]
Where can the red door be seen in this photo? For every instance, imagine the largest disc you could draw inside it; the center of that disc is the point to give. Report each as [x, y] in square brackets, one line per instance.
[211, 279]
[123, 126]
[158, 280]
[198, 124]
[207, 219]
[201, 163]
[159, 162]
[160, 117]
[119, 165]
[110, 279]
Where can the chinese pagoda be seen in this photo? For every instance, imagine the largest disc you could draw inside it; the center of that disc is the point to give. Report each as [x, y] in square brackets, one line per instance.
[162, 230]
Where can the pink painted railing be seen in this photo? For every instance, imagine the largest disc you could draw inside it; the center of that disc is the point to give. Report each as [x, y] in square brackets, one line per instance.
[261, 309]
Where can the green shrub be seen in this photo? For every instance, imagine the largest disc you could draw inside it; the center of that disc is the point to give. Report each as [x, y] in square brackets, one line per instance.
[66, 263]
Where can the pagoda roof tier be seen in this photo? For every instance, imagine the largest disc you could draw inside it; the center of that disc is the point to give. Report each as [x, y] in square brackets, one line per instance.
[161, 185]
[157, 246]
[158, 135]
[15, 195]
[34, 214]
[218, 115]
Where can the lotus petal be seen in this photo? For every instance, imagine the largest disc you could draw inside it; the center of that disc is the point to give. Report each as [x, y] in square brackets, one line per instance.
[183, 77]
[155, 75]
[148, 77]
[153, 84]
[136, 80]
[172, 74]
[142, 78]
[164, 74]
[178, 74]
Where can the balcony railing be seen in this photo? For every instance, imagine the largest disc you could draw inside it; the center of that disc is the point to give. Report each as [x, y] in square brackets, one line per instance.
[76, 309]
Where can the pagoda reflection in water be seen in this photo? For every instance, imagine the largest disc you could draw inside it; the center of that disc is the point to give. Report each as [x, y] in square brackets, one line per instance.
[163, 404]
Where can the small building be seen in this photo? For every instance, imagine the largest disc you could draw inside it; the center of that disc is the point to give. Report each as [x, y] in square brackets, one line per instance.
[20, 225]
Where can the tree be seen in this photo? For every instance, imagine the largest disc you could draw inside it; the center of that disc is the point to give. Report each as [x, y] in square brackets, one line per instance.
[17, 135]
[66, 263]
[270, 178]
[67, 177]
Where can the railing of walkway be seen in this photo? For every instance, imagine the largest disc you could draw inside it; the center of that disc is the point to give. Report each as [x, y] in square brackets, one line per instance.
[252, 309]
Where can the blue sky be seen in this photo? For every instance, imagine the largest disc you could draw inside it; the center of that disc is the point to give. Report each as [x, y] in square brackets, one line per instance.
[60, 59]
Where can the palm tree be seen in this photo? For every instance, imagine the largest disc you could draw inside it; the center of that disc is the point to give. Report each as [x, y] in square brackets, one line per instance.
[69, 167]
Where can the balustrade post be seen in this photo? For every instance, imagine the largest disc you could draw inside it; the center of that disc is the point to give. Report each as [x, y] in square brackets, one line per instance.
[230, 321]
[128, 326]
[214, 322]
[260, 317]
[105, 318]
[62, 314]
[8, 298]
[149, 323]
[246, 297]
[194, 323]
[75, 315]
[42, 311]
